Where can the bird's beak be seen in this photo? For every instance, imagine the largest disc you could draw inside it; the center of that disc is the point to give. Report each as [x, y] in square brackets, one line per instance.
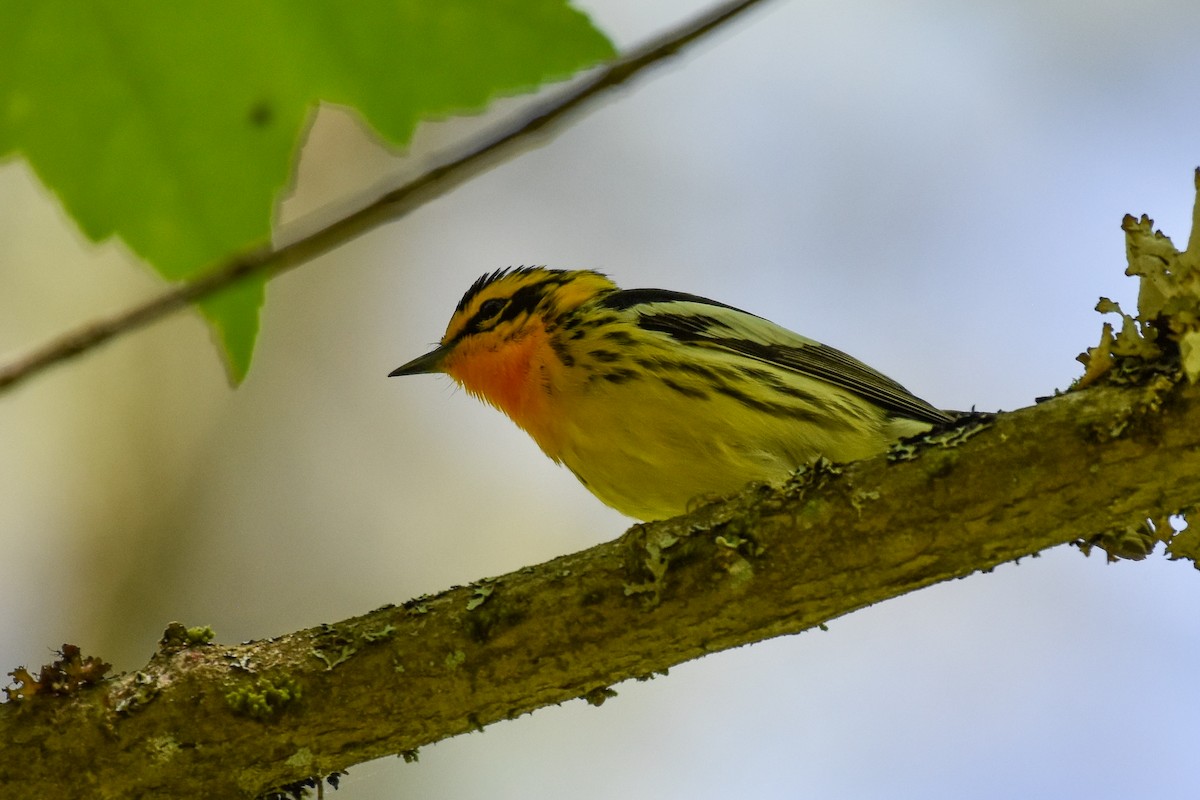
[430, 362]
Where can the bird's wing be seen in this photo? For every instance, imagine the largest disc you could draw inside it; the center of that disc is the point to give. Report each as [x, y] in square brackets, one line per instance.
[700, 322]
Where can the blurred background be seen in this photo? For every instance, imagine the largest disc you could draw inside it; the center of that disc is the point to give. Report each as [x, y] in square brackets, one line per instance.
[935, 187]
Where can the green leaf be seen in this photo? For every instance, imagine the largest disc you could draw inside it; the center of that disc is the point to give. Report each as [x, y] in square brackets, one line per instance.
[174, 125]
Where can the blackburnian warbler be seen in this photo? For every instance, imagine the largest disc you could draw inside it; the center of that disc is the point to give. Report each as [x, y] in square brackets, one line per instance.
[654, 398]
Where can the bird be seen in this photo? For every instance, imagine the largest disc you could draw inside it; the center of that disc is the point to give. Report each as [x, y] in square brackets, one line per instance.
[656, 399]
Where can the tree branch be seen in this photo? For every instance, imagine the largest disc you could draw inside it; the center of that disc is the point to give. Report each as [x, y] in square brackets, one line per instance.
[543, 121]
[231, 721]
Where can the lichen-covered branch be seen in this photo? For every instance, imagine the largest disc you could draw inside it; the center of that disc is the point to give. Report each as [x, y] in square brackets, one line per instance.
[212, 720]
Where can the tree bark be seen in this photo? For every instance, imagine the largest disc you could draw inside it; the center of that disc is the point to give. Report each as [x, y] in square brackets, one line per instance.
[209, 720]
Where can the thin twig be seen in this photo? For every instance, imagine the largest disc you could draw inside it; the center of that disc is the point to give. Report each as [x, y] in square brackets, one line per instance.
[487, 151]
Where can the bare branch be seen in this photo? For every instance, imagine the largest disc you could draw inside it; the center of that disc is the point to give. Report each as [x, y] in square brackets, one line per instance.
[493, 147]
[231, 721]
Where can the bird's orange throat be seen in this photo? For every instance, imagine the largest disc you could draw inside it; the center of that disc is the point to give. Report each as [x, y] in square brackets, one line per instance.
[516, 375]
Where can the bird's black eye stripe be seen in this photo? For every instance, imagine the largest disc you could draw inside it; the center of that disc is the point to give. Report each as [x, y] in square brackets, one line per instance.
[487, 316]
[496, 310]
[490, 308]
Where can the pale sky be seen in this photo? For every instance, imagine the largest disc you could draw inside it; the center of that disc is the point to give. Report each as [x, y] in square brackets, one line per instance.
[933, 187]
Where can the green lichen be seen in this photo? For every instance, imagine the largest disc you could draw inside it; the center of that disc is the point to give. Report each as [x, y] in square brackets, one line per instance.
[655, 560]
[418, 605]
[1165, 333]
[264, 699]
[479, 596]
[946, 437]
[178, 636]
[1185, 539]
[1140, 411]
[336, 644]
[738, 568]
[455, 660]
[597, 696]
[812, 476]
[733, 555]
[342, 656]
[381, 635]
[860, 498]
[200, 634]
[1131, 542]
[137, 693]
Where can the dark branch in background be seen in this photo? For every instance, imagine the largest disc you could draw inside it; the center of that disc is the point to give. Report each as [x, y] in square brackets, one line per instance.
[490, 149]
[203, 720]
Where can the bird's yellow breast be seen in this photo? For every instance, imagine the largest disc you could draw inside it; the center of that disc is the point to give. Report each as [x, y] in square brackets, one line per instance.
[649, 450]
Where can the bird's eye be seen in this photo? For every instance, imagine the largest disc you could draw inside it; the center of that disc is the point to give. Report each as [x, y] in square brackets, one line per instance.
[490, 308]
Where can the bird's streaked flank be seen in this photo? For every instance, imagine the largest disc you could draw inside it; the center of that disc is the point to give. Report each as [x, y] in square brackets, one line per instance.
[652, 397]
